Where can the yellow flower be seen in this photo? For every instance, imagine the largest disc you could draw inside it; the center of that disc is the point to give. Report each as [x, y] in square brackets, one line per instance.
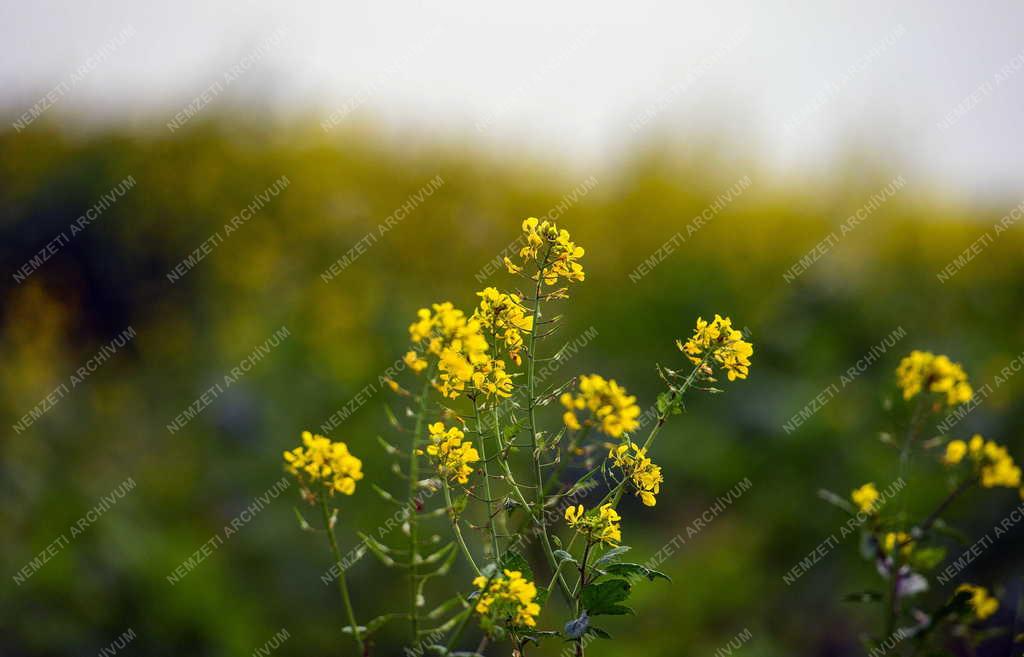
[718, 342]
[992, 463]
[602, 526]
[892, 539]
[614, 411]
[955, 451]
[865, 497]
[439, 327]
[453, 457]
[415, 362]
[509, 599]
[982, 603]
[503, 314]
[923, 370]
[320, 460]
[545, 239]
[643, 473]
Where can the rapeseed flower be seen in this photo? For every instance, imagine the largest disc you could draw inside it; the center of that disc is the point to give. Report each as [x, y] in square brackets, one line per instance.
[866, 497]
[561, 262]
[509, 598]
[992, 463]
[454, 457]
[615, 412]
[717, 342]
[504, 315]
[642, 472]
[983, 604]
[923, 370]
[602, 526]
[319, 459]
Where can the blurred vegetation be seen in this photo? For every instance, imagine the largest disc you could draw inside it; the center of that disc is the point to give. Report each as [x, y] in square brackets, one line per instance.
[344, 332]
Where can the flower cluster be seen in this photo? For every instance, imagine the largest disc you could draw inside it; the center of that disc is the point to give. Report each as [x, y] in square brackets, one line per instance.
[866, 497]
[602, 526]
[439, 328]
[992, 462]
[615, 411]
[559, 259]
[923, 370]
[509, 598]
[645, 475]
[320, 460]
[503, 315]
[983, 604]
[717, 341]
[454, 457]
[897, 539]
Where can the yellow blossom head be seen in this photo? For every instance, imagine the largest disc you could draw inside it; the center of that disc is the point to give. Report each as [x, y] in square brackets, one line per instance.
[982, 604]
[552, 250]
[645, 476]
[866, 497]
[508, 599]
[453, 457]
[320, 461]
[925, 371]
[505, 317]
[614, 412]
[718, 343]
[601, 526]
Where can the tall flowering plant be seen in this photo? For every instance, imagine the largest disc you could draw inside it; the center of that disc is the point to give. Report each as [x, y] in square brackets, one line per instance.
[920, 611]
[510, 488]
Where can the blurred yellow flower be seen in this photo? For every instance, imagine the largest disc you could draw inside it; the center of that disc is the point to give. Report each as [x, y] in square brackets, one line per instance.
[320, 459]
[992, 463]
[983, 604]
[923, 370]
[865, 497]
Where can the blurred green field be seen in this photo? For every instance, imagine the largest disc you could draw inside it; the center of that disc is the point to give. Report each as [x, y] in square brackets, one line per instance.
[343, 332]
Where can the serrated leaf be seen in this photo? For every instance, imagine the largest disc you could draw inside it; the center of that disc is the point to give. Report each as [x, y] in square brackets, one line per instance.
[512, 560]
[561, 556]
[603, 598]
[612, 555]
[598, 632]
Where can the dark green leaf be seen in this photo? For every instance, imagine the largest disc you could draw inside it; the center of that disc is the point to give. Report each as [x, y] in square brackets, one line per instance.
[612, 555]
[602, 598]
[635, 570]
[512, 560]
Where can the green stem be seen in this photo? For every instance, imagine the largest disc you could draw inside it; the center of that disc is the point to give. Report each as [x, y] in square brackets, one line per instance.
[455, 525]
[414, 473]
[342, 584]
[487, 483]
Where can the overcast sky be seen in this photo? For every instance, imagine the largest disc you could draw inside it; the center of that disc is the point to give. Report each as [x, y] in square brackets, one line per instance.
[933, 84]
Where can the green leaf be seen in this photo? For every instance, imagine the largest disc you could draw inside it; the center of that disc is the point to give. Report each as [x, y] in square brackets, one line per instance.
[612, 555]
[927, 558]
[603, 598]
[561, 556]
[598, 632]
[512, 560]
[635, 570]
[379, 622]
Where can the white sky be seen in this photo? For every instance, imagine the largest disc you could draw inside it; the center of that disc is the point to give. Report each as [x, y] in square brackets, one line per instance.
[795, 83]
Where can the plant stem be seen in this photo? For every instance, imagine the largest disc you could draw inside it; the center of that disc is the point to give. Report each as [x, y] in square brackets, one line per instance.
[342, 585]
[487, 481]
[456, 527]
[414, 473]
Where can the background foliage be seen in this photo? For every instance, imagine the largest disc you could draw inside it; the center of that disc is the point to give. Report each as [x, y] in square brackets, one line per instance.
[346, 331]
